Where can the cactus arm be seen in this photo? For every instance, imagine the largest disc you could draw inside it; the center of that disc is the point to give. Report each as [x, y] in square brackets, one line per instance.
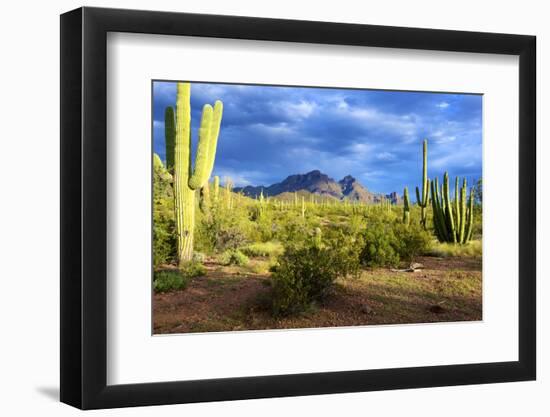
[418, 200]
[435, 218]
[214, 134]
[457, 209]
[470, 226]
[199, 175]
[448, 208]
[463, 214]
[169, 136]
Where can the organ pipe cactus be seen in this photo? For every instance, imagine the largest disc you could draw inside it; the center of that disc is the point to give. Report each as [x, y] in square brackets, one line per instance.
[188, 179]
[406, 207]
[422, 200]
[452, 221]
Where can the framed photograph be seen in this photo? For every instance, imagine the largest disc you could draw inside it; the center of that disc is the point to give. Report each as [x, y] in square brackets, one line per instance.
[256, 208]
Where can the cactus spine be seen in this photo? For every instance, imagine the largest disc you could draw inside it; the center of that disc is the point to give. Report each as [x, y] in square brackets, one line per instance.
[452, 227]
[422, 201]
[186, 178]
[406, 207]
[169, 137]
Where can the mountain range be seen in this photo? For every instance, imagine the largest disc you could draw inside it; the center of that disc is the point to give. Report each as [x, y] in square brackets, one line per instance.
[317, 183]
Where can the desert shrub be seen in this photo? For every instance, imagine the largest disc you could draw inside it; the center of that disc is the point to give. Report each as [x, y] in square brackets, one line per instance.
[169, 280]
[381, 246]
[193, 269]
[234, 257]
[305, 274]
[412, 240]
[291, 228]
[164, 241]
[216, 235]
[267, 249]
[199, 257]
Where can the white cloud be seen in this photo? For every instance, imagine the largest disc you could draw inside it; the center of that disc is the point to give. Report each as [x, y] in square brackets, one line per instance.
[386, 156]
[295, 110]
[404, 127]
[360, 150]
[442, 105]
[239, 178]
[273, 129]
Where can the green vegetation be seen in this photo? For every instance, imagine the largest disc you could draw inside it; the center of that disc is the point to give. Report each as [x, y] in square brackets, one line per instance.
[266, 249]
[444, 250]
[300, 250]
[233, 257]
[306, 274]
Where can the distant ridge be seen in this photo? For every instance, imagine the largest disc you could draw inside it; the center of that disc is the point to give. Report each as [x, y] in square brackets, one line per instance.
[315, 182]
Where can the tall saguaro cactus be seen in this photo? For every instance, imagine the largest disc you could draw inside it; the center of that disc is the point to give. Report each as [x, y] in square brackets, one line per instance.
[188, 179]
[452, 224]
[422, 201]
[406, 207]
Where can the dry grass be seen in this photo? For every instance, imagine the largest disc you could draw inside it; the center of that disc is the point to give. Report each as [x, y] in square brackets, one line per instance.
[471, 249]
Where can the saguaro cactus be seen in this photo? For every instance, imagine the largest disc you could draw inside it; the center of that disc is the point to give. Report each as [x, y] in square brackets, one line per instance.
[406, 207]
[228, 192]
[422, 201]
[188, 179]
[452, 227]
[303, 208]
[169, 137]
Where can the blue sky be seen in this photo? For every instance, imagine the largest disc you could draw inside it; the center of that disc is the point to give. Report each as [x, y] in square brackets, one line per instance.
[270, 132]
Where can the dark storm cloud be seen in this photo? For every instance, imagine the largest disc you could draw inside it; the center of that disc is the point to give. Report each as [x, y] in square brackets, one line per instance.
[270, 132]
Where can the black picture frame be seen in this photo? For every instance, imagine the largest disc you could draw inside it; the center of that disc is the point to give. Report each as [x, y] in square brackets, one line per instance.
[84, 207]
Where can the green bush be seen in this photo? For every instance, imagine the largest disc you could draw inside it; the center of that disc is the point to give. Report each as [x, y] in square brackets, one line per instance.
[193, 269]
[164, 236]
[174, 279]
[169, 280]
[381, 246]
[267, 249]
[234, 257]
[412, 240]
[305, 274]
[164, 242]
